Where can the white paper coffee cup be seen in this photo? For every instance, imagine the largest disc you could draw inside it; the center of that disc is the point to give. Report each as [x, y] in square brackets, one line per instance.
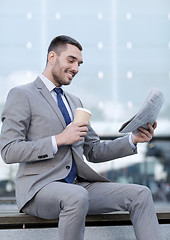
[82, 115]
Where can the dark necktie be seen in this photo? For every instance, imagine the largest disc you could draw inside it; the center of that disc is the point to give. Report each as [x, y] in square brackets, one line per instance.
[72, 174]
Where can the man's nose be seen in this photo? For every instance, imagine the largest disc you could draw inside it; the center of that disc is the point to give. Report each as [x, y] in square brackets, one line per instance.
[75, 68]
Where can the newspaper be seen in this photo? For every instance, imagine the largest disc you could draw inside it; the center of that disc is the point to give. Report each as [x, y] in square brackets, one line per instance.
[147, 113]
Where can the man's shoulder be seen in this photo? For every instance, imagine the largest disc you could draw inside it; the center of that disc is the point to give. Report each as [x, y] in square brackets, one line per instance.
[24, 87]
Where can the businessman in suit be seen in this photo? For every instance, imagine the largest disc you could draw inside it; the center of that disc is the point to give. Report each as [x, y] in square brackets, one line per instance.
[53, 181]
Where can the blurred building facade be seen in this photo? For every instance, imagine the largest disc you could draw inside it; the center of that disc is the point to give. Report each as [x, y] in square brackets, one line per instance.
[126, 51]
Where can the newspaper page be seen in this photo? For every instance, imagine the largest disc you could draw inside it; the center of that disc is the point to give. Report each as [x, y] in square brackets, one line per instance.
[147, 113]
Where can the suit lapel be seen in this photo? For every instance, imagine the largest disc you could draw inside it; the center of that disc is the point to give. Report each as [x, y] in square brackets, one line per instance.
[70, 102]
[47, 95]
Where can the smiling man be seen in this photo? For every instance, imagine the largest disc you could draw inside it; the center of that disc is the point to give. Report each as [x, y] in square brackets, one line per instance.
[53, 181]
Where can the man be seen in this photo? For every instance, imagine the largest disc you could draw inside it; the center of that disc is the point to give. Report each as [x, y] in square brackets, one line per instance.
[53, 180]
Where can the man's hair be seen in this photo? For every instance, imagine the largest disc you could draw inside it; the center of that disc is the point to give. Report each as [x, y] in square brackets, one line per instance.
[59, 43]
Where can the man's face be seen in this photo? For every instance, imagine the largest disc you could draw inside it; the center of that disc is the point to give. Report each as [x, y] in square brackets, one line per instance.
[66, 65]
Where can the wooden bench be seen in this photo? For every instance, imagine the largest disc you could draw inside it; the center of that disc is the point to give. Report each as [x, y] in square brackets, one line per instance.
[16, 220]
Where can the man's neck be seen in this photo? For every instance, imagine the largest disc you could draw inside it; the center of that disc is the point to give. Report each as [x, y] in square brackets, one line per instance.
[49, 77]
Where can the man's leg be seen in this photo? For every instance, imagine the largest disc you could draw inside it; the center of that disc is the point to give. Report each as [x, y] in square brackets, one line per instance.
[69, 202]
[137, 199]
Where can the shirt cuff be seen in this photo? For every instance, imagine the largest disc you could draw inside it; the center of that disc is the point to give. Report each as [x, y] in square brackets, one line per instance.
[133, 146]
[54, 145]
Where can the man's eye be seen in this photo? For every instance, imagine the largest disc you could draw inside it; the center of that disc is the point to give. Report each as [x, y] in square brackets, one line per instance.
[70, 61]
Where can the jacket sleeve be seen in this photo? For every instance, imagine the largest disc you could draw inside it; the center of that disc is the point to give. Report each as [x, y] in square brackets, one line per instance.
[16, 120]
[101, 151]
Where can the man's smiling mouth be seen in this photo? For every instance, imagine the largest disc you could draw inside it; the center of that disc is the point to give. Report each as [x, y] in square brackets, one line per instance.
[70, 75]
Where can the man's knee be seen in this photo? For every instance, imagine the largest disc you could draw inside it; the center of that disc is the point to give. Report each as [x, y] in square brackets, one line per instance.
[82, 199]
[77, 202]
[145, 191]
[144, 194]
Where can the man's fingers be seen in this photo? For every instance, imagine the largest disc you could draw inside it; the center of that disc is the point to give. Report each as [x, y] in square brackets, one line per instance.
[146, 133]
[81, 124]
[83, 129]
[155, 125]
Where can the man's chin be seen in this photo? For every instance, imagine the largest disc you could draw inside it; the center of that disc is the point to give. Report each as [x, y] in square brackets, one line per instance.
[67, 82]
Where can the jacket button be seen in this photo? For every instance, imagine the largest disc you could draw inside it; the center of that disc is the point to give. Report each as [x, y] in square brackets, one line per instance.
[67, 167]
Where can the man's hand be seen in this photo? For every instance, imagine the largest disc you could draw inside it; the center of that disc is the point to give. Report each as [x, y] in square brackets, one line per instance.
[143, 134]
[73, 133]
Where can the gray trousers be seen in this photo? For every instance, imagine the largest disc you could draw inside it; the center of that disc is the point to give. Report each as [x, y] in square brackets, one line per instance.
[72, 202]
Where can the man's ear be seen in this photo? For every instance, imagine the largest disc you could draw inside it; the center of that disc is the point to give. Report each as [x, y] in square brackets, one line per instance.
[51, 57]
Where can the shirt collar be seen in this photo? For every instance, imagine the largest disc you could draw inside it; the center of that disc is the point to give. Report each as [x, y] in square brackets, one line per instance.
[50, 86]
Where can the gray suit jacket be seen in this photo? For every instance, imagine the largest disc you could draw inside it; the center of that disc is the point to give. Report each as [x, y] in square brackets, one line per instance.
[30, 118]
